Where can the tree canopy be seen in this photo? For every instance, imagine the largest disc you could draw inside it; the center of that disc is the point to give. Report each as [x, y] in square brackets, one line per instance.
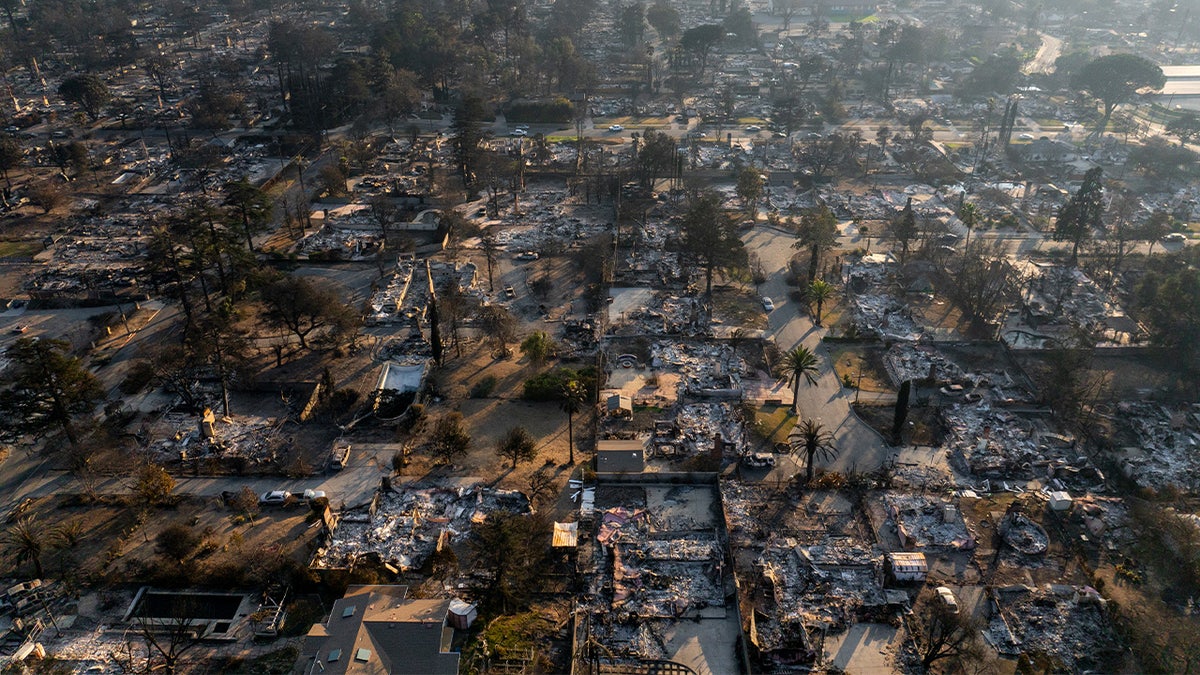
[47, 388]
[1115, 78]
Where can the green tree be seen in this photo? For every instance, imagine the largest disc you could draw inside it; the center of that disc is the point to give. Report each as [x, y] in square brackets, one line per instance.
[250, 206]
[750, 189]
[656, 158]
[1115, 78]
[900, 412]
[510, 550]
[819, 291]
[1158, 225]
[811, 438]
[968, 213]
[467, 131]
[11, 157]
[1161, 160]
[573, 398]
[177, 541]
[800, 364]
[516, 445]
[490, 247]
[711, 236]
[153, 485]
[538, 347]
[47, 387]
[1082, 214]
[24, 540]
[1186, 127]
[818, 231]
[664, 18]
[904, 229]
[89, 92]
[450, 440]
[701, 40]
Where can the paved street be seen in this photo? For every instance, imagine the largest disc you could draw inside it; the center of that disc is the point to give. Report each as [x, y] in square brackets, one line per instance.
[861, 448]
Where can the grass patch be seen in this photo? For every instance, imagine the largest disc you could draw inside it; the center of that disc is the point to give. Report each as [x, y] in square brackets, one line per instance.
[738, 308]
[773, 423]
[26, 248]
[512, 637]
[852, 361]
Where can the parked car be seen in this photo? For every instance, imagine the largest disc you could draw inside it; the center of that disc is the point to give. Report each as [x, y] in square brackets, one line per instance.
[768, 304]
[274, 497]
[1175, 238]
[518, 132]
[616, 127]
[310, 495]
[509, 292]
[753, 129]
[758, 460]
[527, 255]
[947, 596]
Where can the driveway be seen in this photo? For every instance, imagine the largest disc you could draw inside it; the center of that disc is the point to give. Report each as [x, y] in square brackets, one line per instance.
[861, 448]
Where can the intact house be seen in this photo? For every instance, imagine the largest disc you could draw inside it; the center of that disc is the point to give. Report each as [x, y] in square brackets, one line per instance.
[377, 630]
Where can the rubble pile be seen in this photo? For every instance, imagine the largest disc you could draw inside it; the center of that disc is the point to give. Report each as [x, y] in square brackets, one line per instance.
[341, 243]
[1023, 534]
[387, 301]
[254, 438]
[546, 221]
[1166, 448]
[807, 588]
[658, 560]
[883, 315]
[986, 441]
[409, 523]
[922, 522]
[706, 369]
[1067, 297]
[699, 423]
[907, 361]
[1070, 624]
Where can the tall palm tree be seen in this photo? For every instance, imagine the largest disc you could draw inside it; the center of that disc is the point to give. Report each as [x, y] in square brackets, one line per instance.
[819, 291]
[811, 438]
[24, 540]
[969, 214]
[571, 402]
[800, 364]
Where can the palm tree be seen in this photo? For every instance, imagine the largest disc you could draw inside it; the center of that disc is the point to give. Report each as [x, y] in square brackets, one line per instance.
[819, 291]
[24, 540]
[573, 398]
[800, 364]
[811, 438]
[968, 213]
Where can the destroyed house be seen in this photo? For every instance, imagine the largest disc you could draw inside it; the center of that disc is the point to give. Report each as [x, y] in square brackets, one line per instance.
[376, 630]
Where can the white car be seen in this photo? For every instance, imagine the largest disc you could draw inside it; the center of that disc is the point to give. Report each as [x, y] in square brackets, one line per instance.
[310, 495]
[753, 129]
[518, 132]
[768, 304]
[947, 596]
[1025, 137]
[274, 497]
[616, 127]
[1175, 238]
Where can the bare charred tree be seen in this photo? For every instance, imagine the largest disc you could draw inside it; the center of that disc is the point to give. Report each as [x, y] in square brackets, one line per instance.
[942, 632]
[981, 280]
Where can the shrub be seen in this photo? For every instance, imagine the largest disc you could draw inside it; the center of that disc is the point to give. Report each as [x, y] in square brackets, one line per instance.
[548, 386]
[483, 388]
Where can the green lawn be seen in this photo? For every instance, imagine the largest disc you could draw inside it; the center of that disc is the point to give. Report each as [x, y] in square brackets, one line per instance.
[25, 248]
